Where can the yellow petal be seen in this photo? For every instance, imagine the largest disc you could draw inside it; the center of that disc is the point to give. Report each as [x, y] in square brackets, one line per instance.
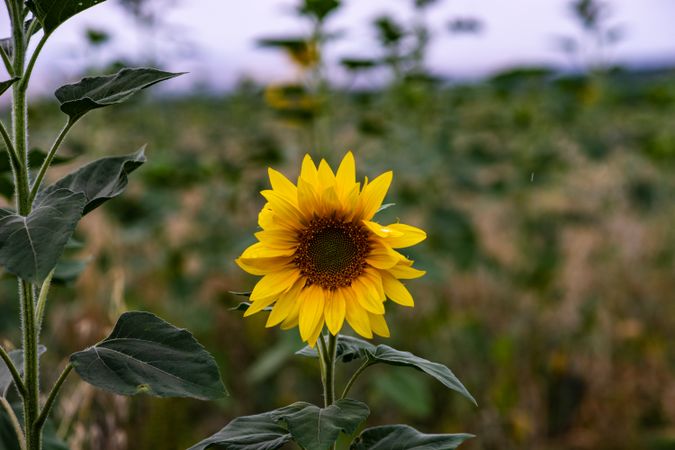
[311, 310]
[379, 325]
[308, 199]
[266, 217]
[382, 256]
[282, 208]
[396, 291]
[357, 316]
[405, 272]
[258, 305]
[315, 334]
[376, 280]
[309, 173]
[259, 260]
[326, 175]
[373, 194]
[381, 230]
[367, 296]
[274, 283]
[286, 304]
[278, 238]
[335, 312]
[283, 186]
[346, 173]
[408, 236]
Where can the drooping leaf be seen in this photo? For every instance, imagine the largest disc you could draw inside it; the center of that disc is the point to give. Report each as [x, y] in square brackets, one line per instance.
[6, 379]
[100, 180]
[145, 354]
[387, 355]
[318, 428]
[4, 85]
[52, 13]
[97, 92]
[348, 349]
[258, 432]
[31, 246]
[404, 437]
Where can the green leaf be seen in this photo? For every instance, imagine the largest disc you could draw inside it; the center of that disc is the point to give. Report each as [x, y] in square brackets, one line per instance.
[52, 13]
[67, 270]
[145, 354]
[7, 44]
[4, 85]
[318, 428]
[257, 432]
[387, 355]
[97, 92]
[31, 246]
[100, 180]
[403, 437]
[350, 348]
[311, 427]
[6, 379]
[8, 440]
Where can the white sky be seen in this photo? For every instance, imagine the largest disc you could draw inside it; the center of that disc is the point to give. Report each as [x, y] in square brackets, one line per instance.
[221, 35]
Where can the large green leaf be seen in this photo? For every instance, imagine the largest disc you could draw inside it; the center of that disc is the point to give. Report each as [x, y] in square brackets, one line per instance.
[6, 379]
[350, 348]
[145, 354]
[31, 246]
[317, 428]
[403, 437]
[258, 432]
[52, 13]
[100, 180]
[311, 427]
[96, 92]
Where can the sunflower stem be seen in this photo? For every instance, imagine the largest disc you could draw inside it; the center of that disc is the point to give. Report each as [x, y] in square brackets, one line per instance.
[351, 381]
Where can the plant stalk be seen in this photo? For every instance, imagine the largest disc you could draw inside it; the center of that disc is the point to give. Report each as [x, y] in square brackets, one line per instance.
[39, 423]
[327, 353]
[15, 422]
[351, 381]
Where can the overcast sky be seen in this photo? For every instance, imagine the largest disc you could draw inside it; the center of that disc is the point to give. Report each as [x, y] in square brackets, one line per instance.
[215, 39]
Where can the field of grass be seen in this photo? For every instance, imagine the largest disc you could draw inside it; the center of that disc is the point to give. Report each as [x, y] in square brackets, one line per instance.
[548, 201]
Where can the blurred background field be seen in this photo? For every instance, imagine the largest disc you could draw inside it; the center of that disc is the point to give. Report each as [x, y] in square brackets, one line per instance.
[547, 193]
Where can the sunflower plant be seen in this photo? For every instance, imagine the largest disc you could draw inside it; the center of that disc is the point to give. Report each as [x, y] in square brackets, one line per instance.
[143, 353]
[326, 263]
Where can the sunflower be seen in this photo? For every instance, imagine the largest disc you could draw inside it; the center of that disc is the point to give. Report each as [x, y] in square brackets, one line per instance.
[322, 257]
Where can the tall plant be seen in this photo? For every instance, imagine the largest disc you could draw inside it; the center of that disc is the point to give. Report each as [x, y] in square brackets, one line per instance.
[143, 354]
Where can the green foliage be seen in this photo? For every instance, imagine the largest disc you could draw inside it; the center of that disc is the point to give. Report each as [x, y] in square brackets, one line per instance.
[403, 437]
[6, 379]
[31, 246]
[313, 428]
[9, 441]
[351, 348]
[52, 13]
[100, 180]
[97, 92]
[147, 355]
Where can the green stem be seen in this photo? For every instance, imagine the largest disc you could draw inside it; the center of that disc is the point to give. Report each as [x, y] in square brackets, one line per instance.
[39, 423]
[7, 62]
[329, 386]
[13, 159]
[48, 160]
[15, 422]
[351, 381]
[16, 376]
[31, 368]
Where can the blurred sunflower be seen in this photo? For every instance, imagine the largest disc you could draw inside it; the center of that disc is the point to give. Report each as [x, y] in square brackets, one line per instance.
[322, 258]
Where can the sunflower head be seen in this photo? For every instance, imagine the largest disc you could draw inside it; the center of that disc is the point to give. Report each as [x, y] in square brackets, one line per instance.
[322, 257]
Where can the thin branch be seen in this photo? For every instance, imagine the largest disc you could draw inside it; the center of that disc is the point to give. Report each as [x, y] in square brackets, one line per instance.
[48, 160]
[351, 381]
[23, 83]
[42, 300]
[14, 159]
[16, 376]
[15, 422]
[39, 423]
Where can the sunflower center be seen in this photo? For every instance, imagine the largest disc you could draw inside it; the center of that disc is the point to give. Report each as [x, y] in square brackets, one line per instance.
[331, 253]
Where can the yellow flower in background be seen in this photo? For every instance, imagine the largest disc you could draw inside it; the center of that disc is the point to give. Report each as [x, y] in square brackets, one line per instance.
[322, 257]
